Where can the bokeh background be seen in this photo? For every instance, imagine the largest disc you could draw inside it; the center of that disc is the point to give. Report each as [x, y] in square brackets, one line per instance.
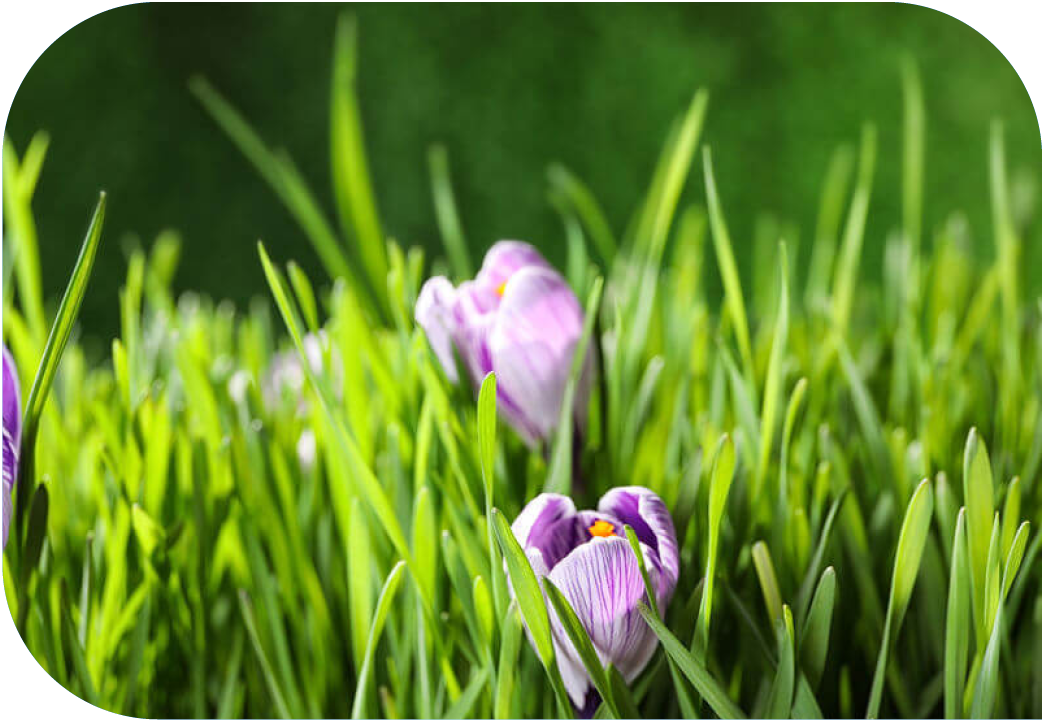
[508, 90]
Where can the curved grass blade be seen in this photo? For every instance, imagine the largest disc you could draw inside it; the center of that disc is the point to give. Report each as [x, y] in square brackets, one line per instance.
[728, 268]
[530, 602]
[910, 545]
[350, 170]
[721, 477]
[52, 352]
[779, 700]
[249, 618]
[383, 606]
[446, 213]
[587, 209]
[705, 684]
[487, 458]
[773, 384]
[957, 624]
[814, 640]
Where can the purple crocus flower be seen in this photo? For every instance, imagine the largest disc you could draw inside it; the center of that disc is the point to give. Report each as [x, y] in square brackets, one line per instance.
[587, 556]
[12, 437]
[518, 317]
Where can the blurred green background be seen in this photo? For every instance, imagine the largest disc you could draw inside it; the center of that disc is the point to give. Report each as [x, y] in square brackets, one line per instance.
[508, 89]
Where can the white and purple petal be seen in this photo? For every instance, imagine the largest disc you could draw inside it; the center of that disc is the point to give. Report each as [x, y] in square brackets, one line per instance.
[601, 581]
[539, 516]
[12, 438]
[645, 512]
[532, 342]
[436, 315]
[505, 258]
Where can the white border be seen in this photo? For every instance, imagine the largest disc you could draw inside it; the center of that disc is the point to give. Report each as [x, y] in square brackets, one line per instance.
[27, 29]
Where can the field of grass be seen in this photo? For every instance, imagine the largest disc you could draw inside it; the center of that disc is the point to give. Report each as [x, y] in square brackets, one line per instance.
[290, 511]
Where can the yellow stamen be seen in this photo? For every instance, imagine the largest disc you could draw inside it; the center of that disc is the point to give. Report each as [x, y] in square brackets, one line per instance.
[501, 289]
[602, 528]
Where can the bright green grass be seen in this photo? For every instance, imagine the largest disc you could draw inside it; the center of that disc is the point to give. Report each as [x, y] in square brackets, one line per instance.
[813, 434]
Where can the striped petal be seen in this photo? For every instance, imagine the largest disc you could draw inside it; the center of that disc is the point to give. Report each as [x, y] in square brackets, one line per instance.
[12, 437]
[531, 346]
[434, 313]
[507, 257]
[602, 582]
[645, 512]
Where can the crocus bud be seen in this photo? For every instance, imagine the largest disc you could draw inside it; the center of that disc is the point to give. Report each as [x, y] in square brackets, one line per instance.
[589, 559]
[519, 318]
[12, 437]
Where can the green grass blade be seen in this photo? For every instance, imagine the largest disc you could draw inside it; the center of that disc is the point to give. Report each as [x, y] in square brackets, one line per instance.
[768, 581]
[68, 309]
[979, 494]
[508, 656]
[249, 618]
[383, 607]
[957, 624]
[530, 601]
[350, 170]
[559, 476]
[910, 545]
[779, 700]
[705, 684]
[721, 477]
[283, 179]
[733, 297]
[814, 639]
[845, 278]
[446, 213]
[773, 384]
[586, 208]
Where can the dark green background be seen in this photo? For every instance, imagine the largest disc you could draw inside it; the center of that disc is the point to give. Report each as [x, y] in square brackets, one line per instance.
[508, 89]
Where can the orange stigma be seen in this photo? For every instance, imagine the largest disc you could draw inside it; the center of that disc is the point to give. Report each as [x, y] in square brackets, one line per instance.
[602, 528]
[502, 288]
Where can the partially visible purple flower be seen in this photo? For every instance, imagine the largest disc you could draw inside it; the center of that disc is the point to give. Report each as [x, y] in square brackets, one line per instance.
[518, 317]
[587, 556]
[12, 437]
